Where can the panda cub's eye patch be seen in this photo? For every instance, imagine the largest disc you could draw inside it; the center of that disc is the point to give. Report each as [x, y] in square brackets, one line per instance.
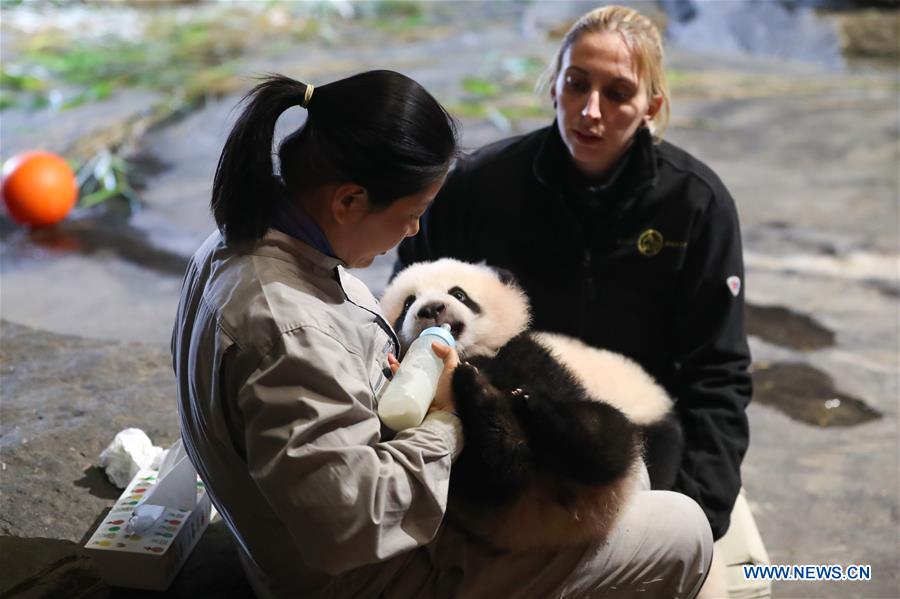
[458, 294]
[461, 295]
[398, 324]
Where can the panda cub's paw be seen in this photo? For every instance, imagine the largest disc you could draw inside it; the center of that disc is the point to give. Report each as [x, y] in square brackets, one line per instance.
[472, 391]
[487, 413]
[520, 395]
[522, 402]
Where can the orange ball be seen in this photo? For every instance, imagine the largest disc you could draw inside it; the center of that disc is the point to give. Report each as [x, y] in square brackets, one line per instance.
[39, 188]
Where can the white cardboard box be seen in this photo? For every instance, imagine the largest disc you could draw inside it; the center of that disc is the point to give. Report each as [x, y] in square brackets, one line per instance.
[149, 560]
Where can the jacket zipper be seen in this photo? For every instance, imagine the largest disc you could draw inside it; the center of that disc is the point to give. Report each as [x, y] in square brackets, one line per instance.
[589, 298]
[589, 278]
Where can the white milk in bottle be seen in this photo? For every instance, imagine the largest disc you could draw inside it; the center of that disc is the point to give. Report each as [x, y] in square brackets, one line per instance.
[409, 394]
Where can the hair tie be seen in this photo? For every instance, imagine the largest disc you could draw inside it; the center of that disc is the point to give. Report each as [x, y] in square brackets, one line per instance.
[307, 96]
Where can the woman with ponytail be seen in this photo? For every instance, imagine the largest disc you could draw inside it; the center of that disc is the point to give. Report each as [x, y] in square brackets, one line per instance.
[279, 352]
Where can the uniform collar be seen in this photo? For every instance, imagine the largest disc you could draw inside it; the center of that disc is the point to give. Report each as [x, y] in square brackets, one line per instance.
[552, 164]
[276, 244]
[282, 246]
[292, 220]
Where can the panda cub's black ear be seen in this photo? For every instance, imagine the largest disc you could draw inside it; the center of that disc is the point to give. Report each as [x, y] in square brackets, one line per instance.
[506, 276]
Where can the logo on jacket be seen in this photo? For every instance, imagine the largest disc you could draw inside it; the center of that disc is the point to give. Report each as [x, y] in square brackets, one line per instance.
[734, 285]
[650, 242]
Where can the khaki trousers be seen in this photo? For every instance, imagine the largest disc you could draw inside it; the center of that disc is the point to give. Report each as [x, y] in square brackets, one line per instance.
[661, 548]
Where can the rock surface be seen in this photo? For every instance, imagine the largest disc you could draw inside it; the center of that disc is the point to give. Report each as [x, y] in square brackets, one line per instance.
[63, 400]
[44, 568]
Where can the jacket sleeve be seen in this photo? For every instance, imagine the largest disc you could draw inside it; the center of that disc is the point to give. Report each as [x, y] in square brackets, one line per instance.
[713, 386]
[314, 449]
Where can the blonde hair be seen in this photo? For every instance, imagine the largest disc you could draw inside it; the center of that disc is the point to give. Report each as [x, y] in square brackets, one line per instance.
[643, 39]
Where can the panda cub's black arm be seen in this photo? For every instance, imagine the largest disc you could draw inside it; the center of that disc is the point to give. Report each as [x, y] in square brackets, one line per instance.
[495, 465]
[583, 440]
[570, 433]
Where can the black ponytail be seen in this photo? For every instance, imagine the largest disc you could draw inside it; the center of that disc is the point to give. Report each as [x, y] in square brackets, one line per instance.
[244, 187]
[379, 129]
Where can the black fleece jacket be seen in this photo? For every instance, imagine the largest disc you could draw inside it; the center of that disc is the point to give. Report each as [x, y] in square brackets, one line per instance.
[647, 263]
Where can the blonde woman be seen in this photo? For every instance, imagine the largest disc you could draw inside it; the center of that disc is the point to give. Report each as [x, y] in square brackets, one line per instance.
[620, 239]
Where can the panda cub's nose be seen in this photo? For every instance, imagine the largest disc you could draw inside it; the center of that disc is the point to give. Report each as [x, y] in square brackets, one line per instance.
[430, 311]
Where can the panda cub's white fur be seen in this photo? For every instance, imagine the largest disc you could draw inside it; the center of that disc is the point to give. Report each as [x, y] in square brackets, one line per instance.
[616, 379]
[486, 311]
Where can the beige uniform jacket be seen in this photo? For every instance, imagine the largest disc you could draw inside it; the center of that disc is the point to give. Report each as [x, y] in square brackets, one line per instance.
[279, 356]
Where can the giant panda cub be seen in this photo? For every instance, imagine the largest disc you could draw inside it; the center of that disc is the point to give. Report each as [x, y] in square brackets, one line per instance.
[554, 430]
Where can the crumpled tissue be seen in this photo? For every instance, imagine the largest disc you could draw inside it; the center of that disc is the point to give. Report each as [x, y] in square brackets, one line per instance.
[131, 450]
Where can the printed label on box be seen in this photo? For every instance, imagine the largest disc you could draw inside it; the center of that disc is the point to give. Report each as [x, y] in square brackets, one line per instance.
[149, 560]
[111, 534]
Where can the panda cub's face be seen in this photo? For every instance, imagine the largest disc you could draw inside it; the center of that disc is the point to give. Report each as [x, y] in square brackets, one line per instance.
[484, 312]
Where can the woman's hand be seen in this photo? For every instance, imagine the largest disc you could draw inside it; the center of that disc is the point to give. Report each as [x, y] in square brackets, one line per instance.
[443, 398]
[393, 363]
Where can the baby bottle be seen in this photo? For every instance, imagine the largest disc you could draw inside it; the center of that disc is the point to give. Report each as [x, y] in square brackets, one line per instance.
[409, 394]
